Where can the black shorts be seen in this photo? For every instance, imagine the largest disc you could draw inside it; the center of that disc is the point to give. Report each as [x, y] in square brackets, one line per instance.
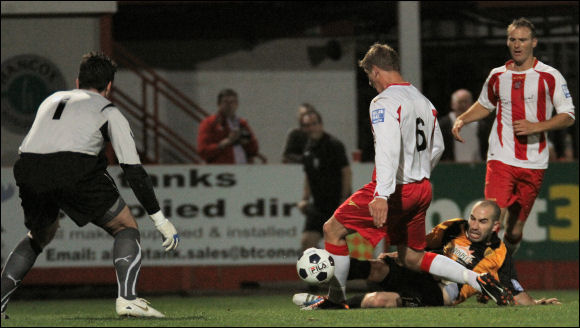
[415, 288]
[315, 218]
[76, 183]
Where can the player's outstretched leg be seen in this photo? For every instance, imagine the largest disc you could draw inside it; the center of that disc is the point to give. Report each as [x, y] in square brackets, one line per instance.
[445, 267]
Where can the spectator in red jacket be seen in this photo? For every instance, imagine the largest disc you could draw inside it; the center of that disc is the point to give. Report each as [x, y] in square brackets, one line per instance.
[224, 138]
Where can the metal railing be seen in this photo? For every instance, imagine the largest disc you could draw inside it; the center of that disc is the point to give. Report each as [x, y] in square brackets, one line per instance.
[153, 87]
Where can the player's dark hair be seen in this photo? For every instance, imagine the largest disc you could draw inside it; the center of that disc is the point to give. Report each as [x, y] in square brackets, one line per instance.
[226, 93]
[382, 56]
[494, 206]
[522, 22]
[96, 71]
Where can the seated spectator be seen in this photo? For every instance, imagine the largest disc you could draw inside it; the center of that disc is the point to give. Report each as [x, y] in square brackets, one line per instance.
[224, 138]
[296, 138]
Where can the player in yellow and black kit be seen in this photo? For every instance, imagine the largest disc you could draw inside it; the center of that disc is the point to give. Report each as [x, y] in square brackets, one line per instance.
[472, 243]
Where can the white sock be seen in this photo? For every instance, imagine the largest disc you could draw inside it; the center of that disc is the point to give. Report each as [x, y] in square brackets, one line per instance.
[446, 268]
[337, 292]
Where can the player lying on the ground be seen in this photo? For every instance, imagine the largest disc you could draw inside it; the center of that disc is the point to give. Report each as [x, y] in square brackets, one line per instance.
[401, 287]
[472, 243]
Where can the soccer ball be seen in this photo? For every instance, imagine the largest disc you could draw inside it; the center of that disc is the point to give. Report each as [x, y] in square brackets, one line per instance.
[315, 266]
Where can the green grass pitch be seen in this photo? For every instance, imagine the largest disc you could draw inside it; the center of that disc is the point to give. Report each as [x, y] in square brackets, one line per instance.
[278, 310]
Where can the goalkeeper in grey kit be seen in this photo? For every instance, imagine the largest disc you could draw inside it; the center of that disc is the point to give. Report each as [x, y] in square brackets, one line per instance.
[62, 166]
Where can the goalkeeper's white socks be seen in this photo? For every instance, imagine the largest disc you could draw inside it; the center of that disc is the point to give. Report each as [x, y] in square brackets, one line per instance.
[340, 254]
[448, 269]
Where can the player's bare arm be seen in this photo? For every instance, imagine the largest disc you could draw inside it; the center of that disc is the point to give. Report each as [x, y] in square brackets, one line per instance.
[475, 113]
[525, 127]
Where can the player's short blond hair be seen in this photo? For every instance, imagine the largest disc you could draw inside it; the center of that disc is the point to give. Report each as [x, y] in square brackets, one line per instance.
[522, 22]
[382, 56]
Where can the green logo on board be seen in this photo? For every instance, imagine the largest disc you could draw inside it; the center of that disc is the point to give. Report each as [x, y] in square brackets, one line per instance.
[26, 81]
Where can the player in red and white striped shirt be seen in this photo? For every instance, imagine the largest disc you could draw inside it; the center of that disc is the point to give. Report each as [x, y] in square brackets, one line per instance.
[408, 144]
[524, 92]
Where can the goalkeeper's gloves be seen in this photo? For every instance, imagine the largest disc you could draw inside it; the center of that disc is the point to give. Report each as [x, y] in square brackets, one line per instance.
[170, 236]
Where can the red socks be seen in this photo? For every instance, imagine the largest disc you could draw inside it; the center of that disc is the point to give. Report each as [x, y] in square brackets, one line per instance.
[336, 250]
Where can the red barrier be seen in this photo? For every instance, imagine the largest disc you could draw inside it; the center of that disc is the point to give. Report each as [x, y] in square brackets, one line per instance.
[532, 274]
[548, 274]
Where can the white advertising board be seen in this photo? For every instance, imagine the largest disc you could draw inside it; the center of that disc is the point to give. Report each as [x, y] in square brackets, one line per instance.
[225, 215]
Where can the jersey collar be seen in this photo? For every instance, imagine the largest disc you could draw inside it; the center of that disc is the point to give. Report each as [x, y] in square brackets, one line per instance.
[400, 83]
[511, 61]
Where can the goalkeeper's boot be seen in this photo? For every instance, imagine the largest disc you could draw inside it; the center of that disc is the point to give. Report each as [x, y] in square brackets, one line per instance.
[494, 290]
[4, 316]
[314, 302]
[136, 308]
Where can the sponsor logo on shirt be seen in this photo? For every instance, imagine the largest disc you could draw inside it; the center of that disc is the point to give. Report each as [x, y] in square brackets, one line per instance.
[378, 115]
[505, 100]
[26, 81]
[530, 99]
[459, 253]
[565, 90]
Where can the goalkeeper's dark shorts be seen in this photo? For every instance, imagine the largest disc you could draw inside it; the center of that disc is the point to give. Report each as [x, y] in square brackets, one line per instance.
[415, 288]
[77, 184]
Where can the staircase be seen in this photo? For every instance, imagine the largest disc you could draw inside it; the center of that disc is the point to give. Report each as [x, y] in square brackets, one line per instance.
[154, 137]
